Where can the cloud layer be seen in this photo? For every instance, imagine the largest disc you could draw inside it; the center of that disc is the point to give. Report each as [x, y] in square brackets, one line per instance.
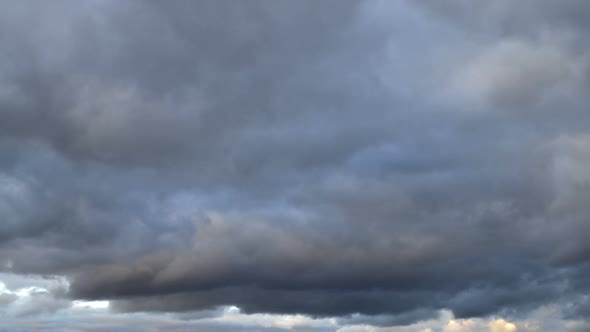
[373, 161]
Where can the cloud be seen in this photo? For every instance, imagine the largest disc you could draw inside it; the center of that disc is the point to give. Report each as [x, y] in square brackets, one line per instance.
[373, 162]
[39, 297]
[513, 73]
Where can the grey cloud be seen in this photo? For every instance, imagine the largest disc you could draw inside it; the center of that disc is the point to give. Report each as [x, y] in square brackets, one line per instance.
[22, 296]
[225, 76]
[373, 160]
[579, 328]
[506, 18]
[104, 323]
[390, 320]
[7, 299]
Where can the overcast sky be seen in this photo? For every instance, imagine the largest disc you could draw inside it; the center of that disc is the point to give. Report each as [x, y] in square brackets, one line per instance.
[295, 165]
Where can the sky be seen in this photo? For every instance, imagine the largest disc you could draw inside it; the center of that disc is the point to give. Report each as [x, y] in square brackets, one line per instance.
[294, 165]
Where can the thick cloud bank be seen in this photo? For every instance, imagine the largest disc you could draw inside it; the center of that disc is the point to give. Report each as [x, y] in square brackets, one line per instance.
[374, 161]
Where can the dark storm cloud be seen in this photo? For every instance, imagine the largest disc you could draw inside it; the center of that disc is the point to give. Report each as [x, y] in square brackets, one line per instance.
[374, 160]
[390, 320]
[141, 78]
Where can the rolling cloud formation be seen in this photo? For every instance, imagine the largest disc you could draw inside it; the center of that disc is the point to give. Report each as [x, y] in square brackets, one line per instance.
[374, 161]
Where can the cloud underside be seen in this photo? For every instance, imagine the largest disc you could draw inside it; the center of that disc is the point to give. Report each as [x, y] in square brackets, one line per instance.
[384, 159]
